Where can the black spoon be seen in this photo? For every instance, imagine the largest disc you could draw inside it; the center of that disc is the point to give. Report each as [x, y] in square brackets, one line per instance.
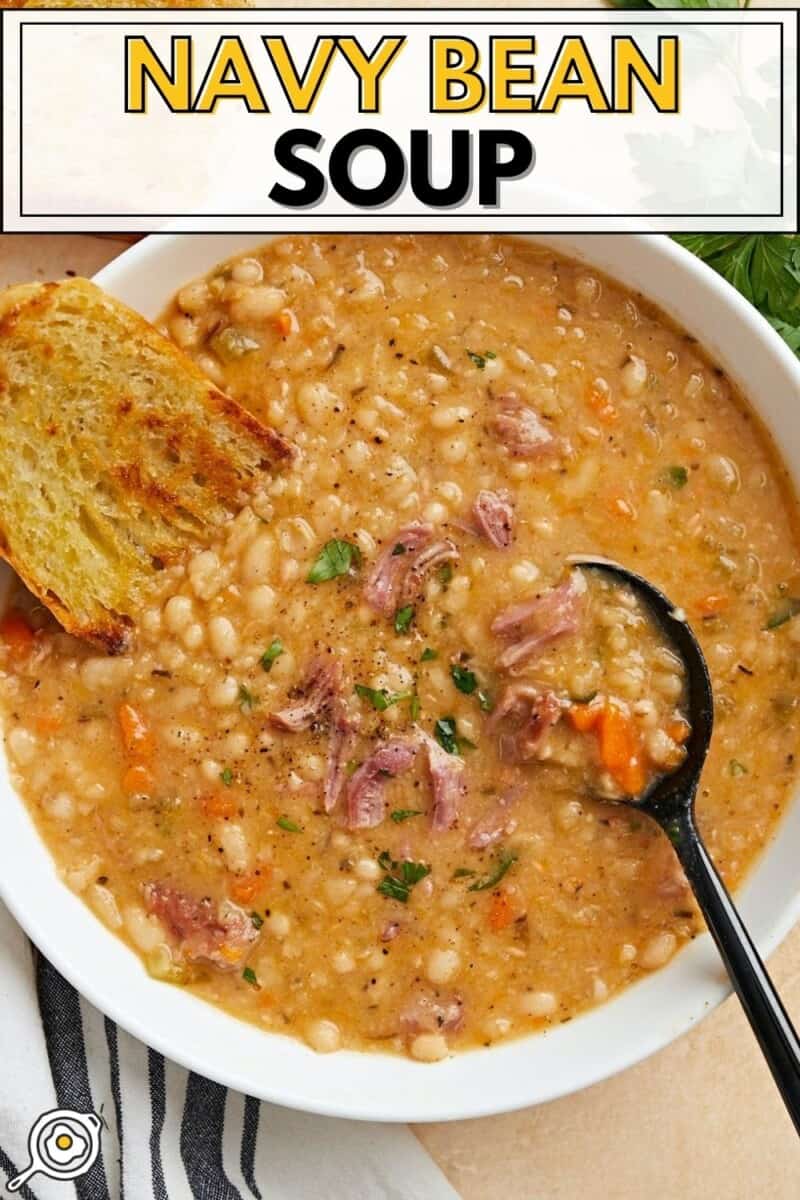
[670, 802]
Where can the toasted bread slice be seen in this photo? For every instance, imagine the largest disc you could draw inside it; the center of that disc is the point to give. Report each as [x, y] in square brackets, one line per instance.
[116, 454]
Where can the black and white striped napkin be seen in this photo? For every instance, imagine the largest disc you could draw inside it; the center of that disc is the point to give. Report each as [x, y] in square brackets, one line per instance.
[171, 1134]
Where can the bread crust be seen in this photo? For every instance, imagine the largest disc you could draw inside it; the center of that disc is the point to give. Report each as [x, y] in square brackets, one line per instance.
[117, 455]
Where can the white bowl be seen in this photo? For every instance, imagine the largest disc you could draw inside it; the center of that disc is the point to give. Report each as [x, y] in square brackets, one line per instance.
[526, 1071]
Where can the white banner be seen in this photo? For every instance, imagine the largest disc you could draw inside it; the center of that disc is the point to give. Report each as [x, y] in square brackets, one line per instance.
[389, 119]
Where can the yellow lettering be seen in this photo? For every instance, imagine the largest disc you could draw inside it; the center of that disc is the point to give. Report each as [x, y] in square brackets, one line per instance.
[174, 86]
[660, 87]
[230, 77]
[301, 91]
[370, 68]
[573, 77]
[505, 73]
[456, 83]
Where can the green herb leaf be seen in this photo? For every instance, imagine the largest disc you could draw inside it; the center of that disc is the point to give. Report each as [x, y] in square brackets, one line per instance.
[784, 612]
[464, 679]
[274, 650]
[428, 655]
[403, 618]
[249, 976]
[463, 873]
[737, 768]
[398, 549]
[289, 826]
[480, 360]
[403, 814]
[226, 776]
[257, 919]
[379, 698]
[445, 574]
[491, 880]
[400, 877]
[246, 698]
[677, 477]
[335, 558]
[446, 733]
[415, 708]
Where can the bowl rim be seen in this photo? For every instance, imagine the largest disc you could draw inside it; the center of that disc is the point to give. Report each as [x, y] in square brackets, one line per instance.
[351, 1084]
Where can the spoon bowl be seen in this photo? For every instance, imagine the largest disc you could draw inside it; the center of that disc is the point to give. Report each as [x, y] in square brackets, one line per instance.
[669, 800]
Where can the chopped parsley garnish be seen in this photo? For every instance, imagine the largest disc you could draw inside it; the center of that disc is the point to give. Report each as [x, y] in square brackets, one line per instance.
[465, 680]
[494, 877]
[403, 618]
[335, 558]
[737, 768]
[677, 477]
[249, 976]
[446, 733]
[379, 698]
[257, 919]
[289, 826]
[445, 574]
[226, 776]
[398, 549]
[783, 613]
[400, 877]
[246, 698]
[274, 650]
[403, 814]
[415, 707]
[463, 873]
[480, 360]
[428, 655]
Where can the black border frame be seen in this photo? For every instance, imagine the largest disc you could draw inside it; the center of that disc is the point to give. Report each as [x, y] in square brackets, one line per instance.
[504, 17]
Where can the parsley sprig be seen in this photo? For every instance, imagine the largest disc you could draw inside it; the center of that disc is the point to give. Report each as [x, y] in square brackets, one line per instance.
[400, 877]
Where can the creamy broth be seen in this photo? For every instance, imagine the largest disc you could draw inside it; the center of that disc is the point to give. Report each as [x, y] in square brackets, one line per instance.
[359, 779]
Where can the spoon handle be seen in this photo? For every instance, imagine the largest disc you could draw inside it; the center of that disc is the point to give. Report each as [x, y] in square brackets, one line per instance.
[767, 1016]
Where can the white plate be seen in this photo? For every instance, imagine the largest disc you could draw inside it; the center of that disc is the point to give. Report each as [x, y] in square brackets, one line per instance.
[526, 1071]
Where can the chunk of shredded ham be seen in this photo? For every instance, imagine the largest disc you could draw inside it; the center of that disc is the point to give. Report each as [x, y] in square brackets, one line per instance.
[382, 589]
[448, 783]
[523, 717]
[365, 789]
[521, 430]
[494, 517]
[221, 934]
[497, 823]
[533, 624]
[318, 690]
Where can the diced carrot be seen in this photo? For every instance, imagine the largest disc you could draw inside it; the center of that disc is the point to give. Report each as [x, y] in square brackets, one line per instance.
[713, 604]
[16, 632]
[137, 736]
[231, 954]
[218, 806]
[501, 912]
[599, 400]
[48, 723]
[678, 731]
[584, 717]
[137, 780]
[245, 889]
[285, 322]
[620, 749]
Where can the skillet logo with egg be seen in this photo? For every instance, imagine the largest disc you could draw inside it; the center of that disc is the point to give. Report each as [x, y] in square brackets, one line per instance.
[63, 1144]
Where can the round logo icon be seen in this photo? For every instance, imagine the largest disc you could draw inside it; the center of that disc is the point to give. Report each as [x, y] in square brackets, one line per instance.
[62, 1144]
